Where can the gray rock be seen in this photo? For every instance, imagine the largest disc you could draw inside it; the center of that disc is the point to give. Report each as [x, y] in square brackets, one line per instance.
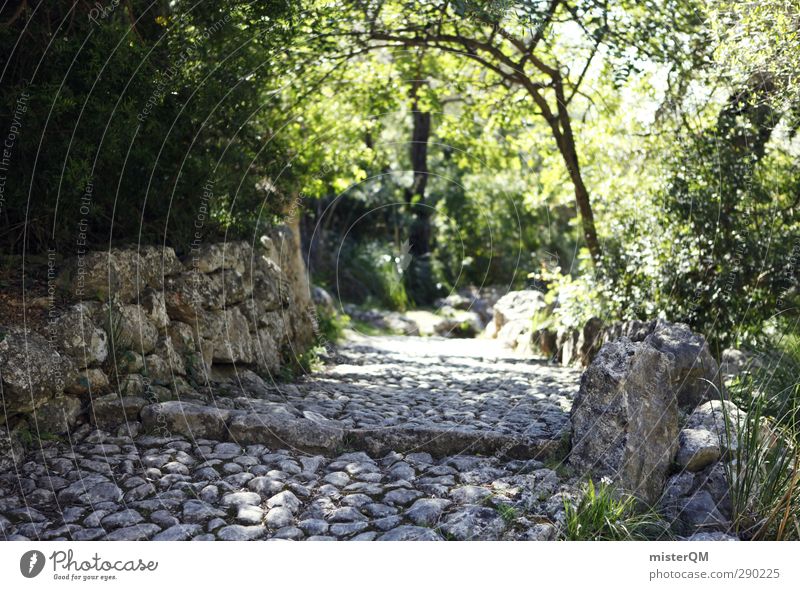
[697, 449]
[410, 533]
[625, 419]
[197, 511]
[266, 486]
[249, 514]
[313, 526]
[187, 419]
[337, 478]
[712, 536]
[720, 418]
[286, 499]
[138, 532]
[111, 410]
[241, 499]
[178, 532]
[474, 523]
[469, 494]
[31, 370]
[401, 497]
[125, 518]
[236, 532]
[281, 430]
[346, 514]
[427, 511]
[347, 529]
[58, 416]
[291, 533]
[79, 338]
[279, 517]
[131, 327]
[693, 372]
[11, 450]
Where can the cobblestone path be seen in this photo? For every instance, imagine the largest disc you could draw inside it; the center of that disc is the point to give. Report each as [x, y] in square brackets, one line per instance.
[437, 439]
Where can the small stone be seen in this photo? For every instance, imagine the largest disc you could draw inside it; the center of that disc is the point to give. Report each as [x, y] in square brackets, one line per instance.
[379, 510]
[470, 494]
[164, 519]
[401, 497]
[313, 526]
[266, 486]
[138, 532]
[346, 514]
[178, 532]
[348, 528]
[286, 499]
[237, 532]
[474, 523]
[388, 522]
[279, 517]
[427, 511]
[337, 478]
[241, 499]
[125, 518]
[197, 511]
[410, 533]
[291, 533]
[249, 514]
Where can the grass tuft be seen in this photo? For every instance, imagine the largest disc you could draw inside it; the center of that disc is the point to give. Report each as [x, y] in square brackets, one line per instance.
[605, 514]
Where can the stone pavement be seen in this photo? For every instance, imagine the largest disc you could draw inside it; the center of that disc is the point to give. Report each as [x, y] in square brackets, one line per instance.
[403, 439]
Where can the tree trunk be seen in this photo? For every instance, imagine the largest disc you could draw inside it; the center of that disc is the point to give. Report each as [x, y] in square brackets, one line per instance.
[562, 130]
[570, 156]
[420, 231]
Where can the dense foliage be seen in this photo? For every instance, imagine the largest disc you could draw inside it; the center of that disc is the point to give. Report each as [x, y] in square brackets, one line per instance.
[143, 120]
[633, 158]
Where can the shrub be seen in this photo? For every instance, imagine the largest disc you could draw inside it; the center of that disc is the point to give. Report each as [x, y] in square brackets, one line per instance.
[330, 325]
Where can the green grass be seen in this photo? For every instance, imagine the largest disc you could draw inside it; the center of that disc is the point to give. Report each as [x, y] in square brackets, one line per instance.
[604, 514]
[370, 330]
[304, 363]
[331, 325]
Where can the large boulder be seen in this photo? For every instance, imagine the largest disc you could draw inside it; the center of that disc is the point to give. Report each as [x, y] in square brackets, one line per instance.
[693, 373]
[625, 419]
[31, 370]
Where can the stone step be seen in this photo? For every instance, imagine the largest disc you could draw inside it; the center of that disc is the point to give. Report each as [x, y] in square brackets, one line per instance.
[285, 429]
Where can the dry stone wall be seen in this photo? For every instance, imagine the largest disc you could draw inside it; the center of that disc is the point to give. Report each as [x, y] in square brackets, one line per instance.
[141, 326]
